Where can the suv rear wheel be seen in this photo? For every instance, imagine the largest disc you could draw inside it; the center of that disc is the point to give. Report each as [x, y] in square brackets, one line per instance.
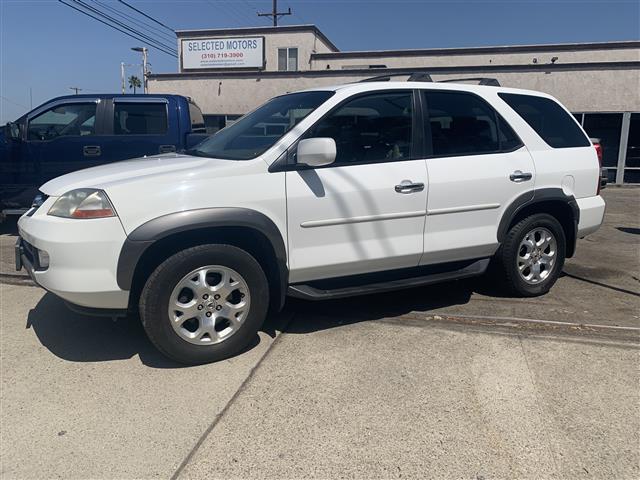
[532, 256]
[204, 303]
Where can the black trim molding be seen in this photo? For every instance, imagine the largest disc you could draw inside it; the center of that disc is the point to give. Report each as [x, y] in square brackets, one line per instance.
[150, 232]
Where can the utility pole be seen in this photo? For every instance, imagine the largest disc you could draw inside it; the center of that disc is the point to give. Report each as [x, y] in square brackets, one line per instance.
[275, 14]
[145, 70]
[76, 89]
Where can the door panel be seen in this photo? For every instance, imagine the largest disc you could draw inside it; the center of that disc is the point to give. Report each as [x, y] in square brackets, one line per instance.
[365, 212]
[140, 126]
[467, 196]
[477, 168]
[349, 220]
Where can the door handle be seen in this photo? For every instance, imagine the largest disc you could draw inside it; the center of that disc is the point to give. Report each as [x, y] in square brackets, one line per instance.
[407, 186]
[520, 176]
[91, 151]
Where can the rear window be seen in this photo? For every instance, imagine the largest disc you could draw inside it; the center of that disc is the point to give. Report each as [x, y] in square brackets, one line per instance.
[197, 120]
[556, 127]
[140, 118]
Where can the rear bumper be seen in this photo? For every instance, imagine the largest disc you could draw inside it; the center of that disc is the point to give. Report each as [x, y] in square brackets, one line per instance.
[591, 214]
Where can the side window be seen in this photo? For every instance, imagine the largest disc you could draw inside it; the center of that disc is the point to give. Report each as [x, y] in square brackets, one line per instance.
[463, 124]
[372, 128]
[197, 120]
[554, 125]
[63, 120]
[140, 118]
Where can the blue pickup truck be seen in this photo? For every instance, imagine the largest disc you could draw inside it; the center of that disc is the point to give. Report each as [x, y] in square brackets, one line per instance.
[79, 131]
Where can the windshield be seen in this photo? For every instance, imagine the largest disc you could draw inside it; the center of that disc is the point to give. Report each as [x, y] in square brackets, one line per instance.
[257, 131]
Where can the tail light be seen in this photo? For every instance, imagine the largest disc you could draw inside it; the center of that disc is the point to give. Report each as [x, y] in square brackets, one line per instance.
[598, 148]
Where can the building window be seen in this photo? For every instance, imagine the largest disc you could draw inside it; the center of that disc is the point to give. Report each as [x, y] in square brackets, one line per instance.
[607, 128]
[288, 59]
[632, 161]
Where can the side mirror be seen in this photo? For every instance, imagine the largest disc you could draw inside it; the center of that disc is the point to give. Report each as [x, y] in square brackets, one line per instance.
[316, 152]
[13, 131]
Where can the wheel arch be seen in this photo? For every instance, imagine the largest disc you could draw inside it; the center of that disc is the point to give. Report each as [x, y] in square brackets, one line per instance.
[154, 241]
[552, 201]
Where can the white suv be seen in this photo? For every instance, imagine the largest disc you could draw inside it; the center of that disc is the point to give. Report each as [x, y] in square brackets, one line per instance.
[323, 193]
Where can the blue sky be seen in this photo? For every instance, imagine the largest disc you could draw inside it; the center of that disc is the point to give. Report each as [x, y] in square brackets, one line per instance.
[48, 47]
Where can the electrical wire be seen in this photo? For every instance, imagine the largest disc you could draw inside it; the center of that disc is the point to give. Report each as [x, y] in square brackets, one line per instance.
[125, 26]
[145, 26]
[118, 29]
[147, 16]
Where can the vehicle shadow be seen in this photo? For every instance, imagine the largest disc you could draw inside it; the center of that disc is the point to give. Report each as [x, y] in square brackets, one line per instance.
[310, 316]
[81, 338]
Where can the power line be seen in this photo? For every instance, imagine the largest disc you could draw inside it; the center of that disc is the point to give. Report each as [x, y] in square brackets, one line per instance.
[145, 26]
[123, 25]
[145, 15]
[11, 101]
[118, 29]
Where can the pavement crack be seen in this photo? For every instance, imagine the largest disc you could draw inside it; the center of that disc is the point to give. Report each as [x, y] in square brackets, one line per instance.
[540, 413]
[231, 401]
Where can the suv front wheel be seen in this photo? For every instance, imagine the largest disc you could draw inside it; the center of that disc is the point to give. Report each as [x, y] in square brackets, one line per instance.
[532, 256]
[204, 303]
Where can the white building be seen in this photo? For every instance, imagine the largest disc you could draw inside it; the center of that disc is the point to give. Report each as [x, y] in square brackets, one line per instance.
[228, 72]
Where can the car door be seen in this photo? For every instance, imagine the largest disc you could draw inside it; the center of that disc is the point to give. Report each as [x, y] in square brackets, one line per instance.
[477, 167]
[62, 137]
[366, 211]
[138, 126]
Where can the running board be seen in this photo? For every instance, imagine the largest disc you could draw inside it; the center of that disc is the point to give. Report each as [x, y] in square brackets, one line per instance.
[309, 292]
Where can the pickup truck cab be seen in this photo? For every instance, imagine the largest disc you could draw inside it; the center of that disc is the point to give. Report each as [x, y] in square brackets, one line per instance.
[80, 131]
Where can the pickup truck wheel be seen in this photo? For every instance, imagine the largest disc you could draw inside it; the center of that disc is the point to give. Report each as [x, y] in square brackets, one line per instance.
[204, 303]
[532, 255]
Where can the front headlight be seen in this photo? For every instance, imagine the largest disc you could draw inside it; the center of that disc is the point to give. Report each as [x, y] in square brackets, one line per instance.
[83, 203]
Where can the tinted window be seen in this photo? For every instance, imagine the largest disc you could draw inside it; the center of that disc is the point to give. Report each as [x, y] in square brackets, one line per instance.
[63, 120]
[197, 120]
[548, 119]
[372, 128]
[257, 131]
[140, 118]
[464, 124]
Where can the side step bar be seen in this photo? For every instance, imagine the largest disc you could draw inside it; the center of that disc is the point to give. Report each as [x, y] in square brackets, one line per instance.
[309, 292]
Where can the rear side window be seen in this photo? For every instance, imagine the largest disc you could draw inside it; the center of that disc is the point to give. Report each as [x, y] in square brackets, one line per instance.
[464, 124]
[548, 119]
[197, 120]
[140, 118]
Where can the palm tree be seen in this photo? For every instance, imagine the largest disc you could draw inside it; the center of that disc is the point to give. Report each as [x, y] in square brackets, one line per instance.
[134, 82]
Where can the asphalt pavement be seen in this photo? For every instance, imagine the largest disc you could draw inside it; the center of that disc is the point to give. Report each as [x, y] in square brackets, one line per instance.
[447, 381]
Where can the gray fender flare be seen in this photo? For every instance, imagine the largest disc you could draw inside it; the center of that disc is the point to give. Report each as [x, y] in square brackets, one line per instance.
[158, 228]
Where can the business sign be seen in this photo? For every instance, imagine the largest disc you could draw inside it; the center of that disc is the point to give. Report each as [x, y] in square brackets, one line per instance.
[239, 52]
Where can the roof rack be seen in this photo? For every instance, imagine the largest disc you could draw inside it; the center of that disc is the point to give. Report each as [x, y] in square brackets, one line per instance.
[493, 82]
[413, 77]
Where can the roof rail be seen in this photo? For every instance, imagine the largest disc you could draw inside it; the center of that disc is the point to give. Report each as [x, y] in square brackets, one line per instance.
[481, 81]
[413, 77]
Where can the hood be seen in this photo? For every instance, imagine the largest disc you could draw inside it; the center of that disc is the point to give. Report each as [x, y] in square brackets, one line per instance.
[136, 169]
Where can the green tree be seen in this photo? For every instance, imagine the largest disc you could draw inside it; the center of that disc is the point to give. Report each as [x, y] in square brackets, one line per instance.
[134, 82]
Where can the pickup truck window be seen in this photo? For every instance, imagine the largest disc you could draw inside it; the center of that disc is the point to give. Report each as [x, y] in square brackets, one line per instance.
[63, 120]
[140, 118]
[197, 120]
[257, 131]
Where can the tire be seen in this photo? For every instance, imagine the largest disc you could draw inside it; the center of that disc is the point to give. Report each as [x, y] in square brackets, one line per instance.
[516, 259]
[191, 330]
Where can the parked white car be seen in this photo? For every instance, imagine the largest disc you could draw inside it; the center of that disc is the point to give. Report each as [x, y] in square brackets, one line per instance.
[323, 193]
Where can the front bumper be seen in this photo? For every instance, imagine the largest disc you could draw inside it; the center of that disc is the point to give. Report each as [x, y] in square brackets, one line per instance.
[83, 257]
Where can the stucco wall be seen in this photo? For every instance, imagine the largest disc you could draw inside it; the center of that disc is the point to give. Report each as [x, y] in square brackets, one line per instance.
[580, 91]
[398, 59]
